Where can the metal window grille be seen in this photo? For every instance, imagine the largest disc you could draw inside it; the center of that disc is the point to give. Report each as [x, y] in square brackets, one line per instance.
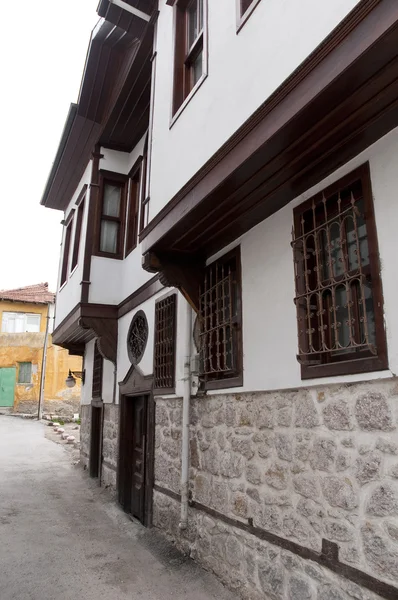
[334, 298]
[219, 314]
[165, 338]
[97, 373]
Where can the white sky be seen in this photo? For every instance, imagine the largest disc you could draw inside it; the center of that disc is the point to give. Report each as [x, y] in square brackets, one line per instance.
[43, 47]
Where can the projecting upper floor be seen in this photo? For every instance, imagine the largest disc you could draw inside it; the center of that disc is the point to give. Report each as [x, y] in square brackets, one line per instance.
[217, 62]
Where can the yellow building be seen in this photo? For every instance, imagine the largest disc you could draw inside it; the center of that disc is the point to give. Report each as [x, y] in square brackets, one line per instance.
[25, 315]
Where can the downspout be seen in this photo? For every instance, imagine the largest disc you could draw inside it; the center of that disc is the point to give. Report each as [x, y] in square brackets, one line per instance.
[185, 419]
[43, 367]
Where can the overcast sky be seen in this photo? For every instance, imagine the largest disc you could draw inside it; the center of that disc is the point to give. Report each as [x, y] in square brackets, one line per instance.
[43, 47]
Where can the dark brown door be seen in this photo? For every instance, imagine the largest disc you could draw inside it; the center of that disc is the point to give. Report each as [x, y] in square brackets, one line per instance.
[138, 457]
[95, 442]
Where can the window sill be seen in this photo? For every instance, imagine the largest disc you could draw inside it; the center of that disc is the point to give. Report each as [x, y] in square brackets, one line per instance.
[164, 391]
[187, 100]
[241, 20]
[62, 286]
[25, 384]
[108, 255]
[352, 367]
[224, 384]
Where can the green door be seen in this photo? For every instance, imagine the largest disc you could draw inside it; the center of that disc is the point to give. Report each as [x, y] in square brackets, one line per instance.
[7, 386]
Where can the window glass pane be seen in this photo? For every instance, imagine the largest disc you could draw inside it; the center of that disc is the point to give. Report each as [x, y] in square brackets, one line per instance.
[111, 202]
[193, 29]
[197, 68]
[33, 323]
[109, 236]
[7, 323]
[20, 323]
[25, 373]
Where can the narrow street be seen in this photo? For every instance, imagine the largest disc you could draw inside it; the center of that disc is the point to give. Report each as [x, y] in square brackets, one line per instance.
[62, 537]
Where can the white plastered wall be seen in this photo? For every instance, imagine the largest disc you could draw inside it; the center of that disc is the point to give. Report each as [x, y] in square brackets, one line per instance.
[70, 293]
[146, 363]
[269, 314]
[243, 70]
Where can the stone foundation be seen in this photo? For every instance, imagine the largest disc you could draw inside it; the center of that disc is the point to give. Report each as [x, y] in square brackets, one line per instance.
[65, 407]
[305, 465]
[85, 428]
[110, 446]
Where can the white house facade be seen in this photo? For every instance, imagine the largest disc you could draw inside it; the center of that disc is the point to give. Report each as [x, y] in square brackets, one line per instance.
[228, 181]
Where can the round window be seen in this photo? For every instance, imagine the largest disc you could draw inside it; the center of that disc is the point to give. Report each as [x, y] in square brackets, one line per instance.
[137, 337]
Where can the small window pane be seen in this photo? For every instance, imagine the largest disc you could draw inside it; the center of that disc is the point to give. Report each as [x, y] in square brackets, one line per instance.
[111, 204]
[33, 323]
[25, 372]
[197, 68]
[109, 236]
[193, 29]
[20, 323]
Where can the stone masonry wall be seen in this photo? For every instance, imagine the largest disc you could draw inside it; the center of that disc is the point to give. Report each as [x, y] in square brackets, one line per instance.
[305, 464]
[110, 446]
[85, 428]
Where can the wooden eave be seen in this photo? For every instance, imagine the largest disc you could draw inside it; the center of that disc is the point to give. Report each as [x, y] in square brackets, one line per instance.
[342, 99]
[113, 104]
[86, 322]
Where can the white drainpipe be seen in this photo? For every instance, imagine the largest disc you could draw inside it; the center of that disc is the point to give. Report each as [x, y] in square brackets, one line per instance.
[185, 419]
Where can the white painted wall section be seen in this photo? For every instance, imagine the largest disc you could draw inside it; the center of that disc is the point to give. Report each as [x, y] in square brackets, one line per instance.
[269, 314]
[108, 380]
[70, 293]
[243, 71]
[87, 388]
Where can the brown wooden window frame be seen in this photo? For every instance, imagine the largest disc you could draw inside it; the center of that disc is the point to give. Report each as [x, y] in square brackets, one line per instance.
[244, 9]
[133, 205]
[165, 344]
[144, 202]
[66, 248]
[230, 317]
[336, 362]
[185, 55]
[78, 229]
[118, 180]
[98, 371]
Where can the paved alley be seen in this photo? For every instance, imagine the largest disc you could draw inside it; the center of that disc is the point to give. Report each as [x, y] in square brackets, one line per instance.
[61, 537]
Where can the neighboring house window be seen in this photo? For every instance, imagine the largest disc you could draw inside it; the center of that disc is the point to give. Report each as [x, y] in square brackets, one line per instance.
[190, 48]
[65, 257]
[18, 322]
[220, 320]
[165, 344]
[112, 215]
[98, 363]
[78, 231]
[338, 288]
[133, 208]
[25, 372]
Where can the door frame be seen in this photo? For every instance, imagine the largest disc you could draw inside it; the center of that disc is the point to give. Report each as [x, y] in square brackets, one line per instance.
[136, 384]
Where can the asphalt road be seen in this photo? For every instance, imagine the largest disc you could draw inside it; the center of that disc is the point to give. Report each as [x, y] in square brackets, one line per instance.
[61, 537]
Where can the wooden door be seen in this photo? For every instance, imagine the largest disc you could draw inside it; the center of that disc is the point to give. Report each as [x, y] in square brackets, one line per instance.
[138, 471]
[95, 441]
[7, 386]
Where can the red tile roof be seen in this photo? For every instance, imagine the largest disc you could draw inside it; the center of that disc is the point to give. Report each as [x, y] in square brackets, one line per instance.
[36, 294]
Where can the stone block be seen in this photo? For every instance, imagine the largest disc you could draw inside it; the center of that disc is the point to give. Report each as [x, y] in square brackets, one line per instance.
[343, 461]
[306, 414]
[323, 454]
[220, 496]
[277, 476]
[338, 531]
[243, 446]
[254, 494]
[240, 505]
[336, 416]
[383, 501]
[272, 578]
[233, 551]
[284, 446]
[303, 444]
[254, 474]
[368, 467]
[379, 553]
[387, 446]
[373, 412]
[330, 592]
[299, 588]
[270, 518]
[306, 485]
[231, 464]
[295, 527]
[264, 443]
[339, 491]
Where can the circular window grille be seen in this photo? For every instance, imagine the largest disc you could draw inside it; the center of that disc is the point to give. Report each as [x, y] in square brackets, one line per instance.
[137, 337]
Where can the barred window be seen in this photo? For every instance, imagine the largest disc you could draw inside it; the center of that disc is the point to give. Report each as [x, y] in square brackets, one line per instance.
[338, 287]
[220, 320]
[165, 342]
[97, 373]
